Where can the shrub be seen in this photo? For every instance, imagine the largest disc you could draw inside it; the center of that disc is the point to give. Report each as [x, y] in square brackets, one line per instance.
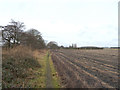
[16, 66]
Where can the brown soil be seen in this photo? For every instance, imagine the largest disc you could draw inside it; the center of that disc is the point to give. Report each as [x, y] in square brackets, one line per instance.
[87, 68]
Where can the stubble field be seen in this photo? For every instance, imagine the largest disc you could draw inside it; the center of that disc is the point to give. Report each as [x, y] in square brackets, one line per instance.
[87, 68]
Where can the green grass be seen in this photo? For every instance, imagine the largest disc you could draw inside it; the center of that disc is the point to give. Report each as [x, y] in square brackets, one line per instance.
[39, 74]
[39, 80]
[55, 78]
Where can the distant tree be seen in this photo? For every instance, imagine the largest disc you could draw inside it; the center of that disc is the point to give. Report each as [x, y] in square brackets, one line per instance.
[52, 45]
[34, 39]
[62, 46]
[70, 47]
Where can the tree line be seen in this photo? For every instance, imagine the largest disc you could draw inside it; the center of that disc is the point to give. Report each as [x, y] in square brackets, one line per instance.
[14, 34]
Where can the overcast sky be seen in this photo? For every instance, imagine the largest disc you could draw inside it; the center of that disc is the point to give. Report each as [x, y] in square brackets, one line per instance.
[84, 22]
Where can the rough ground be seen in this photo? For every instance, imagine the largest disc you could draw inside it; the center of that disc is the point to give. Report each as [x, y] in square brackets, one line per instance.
[87, 68]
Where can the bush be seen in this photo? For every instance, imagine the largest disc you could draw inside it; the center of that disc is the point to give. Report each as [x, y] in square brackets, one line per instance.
[16, 66]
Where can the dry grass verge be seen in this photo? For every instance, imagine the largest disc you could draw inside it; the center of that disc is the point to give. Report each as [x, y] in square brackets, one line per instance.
[17, 66]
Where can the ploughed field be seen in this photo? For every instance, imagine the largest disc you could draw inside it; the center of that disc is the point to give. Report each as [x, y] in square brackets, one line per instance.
[87, 68]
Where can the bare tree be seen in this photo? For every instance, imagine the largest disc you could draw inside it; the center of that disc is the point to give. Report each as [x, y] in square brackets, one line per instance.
[17, 29]
[11, 33]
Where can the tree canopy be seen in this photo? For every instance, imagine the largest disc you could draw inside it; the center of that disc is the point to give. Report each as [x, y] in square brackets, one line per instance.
[14, 34]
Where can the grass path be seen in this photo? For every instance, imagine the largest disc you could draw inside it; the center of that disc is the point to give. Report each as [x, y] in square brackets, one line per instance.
[38, 75]
[46, 76]
[49, 83]
[52, 79]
